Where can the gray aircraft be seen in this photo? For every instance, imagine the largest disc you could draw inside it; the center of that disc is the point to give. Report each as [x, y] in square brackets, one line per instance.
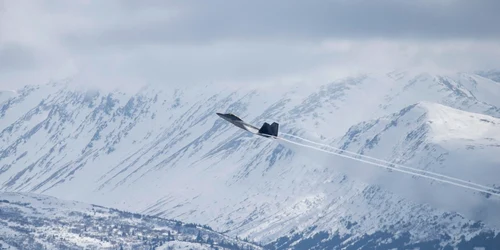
[269, 131]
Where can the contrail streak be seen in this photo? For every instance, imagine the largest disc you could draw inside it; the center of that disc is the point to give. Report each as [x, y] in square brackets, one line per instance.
[394, 164]
[393, 168]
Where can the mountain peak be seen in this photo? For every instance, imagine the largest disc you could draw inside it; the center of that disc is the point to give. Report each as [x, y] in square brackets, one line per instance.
[448, 123]
[424, 126]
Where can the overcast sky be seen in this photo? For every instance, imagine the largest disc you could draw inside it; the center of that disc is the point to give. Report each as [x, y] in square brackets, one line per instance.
[197, 42]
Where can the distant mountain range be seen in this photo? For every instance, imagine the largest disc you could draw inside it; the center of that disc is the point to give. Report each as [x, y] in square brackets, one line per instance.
[163, 152]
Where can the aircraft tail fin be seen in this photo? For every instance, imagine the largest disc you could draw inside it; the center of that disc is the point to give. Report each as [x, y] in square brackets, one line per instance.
[269, 129]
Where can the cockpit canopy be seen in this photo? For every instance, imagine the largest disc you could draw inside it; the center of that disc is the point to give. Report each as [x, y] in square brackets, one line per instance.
[234, 116]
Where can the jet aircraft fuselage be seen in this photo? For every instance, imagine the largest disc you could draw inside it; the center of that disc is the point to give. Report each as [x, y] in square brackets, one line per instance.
[269, 131]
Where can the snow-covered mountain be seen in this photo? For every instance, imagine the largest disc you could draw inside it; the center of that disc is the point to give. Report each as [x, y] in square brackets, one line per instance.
[42, 222]
[164, 152]
[437, 138]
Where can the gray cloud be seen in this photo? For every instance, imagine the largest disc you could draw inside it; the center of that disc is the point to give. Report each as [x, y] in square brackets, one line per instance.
[14, 57]
[187, 42]
[200, 22]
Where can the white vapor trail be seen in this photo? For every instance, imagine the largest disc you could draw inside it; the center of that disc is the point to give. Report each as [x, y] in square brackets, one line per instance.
[394, 164]
[393, 168]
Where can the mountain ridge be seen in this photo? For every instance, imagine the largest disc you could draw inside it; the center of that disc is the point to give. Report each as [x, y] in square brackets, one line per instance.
[33, 221]
[164, 152]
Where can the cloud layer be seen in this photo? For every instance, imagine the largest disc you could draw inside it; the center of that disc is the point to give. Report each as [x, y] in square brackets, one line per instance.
[210, 21]
[188, 42]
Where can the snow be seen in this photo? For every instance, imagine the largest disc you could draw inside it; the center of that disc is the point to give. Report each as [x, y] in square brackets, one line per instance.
[183, 245]
[164, 151]
[6, 95]
[431, 136]
[451, 124]
[31, 221]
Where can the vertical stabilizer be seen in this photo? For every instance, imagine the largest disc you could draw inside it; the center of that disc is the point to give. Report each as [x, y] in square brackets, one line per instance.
[267, 129]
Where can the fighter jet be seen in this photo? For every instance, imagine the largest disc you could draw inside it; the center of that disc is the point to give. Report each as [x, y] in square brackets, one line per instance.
[268, 131]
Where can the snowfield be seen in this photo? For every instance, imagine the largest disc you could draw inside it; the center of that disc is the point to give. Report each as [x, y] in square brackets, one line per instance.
[164, 152]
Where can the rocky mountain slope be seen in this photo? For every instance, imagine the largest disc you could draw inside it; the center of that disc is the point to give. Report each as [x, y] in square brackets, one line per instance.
[164, 152]
[42, 222]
